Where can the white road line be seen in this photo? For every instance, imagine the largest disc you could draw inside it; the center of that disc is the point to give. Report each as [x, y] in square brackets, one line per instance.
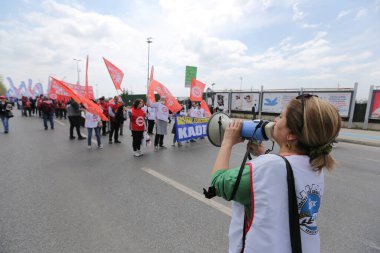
[63, 124]
[222, 208]
[59, 122]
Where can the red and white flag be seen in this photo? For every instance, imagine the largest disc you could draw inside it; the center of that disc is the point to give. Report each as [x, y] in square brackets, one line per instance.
[196, 90]
[87, 103]
[115, 73]
[204, 106]
[171, 101]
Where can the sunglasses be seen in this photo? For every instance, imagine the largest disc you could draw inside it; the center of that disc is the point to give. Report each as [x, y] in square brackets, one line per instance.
[303, 97]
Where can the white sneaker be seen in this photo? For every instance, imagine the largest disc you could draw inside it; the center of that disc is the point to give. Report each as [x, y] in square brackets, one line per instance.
[89, 147]
[100, 146]
[136, 154]
[140, 152]
[156, 148]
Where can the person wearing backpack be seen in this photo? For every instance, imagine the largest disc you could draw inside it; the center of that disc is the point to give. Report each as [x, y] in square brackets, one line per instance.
[47, 108]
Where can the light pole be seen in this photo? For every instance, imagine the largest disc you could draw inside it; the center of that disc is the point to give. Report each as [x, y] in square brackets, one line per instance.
[241, 82]
[148, 40]
[77, 60]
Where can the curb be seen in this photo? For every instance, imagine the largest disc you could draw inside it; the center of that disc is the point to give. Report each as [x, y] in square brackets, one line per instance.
[366, 143]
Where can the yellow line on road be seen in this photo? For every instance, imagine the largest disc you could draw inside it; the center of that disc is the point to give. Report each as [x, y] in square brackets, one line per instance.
[222, 208]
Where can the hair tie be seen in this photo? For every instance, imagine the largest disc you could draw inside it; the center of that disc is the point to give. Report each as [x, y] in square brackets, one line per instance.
[321, 150]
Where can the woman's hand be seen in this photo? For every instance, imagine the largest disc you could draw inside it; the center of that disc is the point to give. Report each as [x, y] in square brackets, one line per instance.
[256, 149]
[232, 133]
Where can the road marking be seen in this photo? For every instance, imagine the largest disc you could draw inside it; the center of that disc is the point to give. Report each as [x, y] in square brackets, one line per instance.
[59, 122]
[63, 124]
[222, 208]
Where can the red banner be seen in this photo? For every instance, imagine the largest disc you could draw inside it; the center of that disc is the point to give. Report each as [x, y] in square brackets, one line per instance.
[158, 87]
[115, 73]
[87, 103]
[196, 90]
[204, 106]
[57, 93]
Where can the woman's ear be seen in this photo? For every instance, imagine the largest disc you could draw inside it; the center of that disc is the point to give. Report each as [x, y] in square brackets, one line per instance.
[291, 137]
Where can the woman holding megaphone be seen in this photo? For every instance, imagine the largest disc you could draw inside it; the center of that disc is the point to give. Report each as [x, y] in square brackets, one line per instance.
[276, 198]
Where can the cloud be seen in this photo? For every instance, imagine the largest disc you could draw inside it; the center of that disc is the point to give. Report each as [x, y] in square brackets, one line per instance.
[343, 14]
[298, 14]
[362, 12]
[377, 6]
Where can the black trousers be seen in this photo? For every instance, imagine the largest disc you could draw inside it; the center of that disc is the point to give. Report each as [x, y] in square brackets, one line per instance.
[104, 127]
[75, 122]
[159, 140]
[137, 137]
[150, 126]
[114, 129]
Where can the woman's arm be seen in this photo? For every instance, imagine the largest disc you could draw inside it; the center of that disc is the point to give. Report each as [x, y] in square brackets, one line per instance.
[231, 137]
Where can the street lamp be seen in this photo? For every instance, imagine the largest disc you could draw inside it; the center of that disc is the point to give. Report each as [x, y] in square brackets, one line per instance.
[77, 60]
[148, 40]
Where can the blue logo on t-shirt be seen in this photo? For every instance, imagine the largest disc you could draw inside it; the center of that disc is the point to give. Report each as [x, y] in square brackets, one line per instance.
[308, 207]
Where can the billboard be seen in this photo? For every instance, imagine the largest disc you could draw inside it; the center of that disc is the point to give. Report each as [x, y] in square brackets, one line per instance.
[244, 101]
[275, 102]
[341, 100]
[375, 106]
[191, 72]
[221, 101]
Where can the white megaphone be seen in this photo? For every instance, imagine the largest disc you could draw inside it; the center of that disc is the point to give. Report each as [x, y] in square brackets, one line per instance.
[257, 130]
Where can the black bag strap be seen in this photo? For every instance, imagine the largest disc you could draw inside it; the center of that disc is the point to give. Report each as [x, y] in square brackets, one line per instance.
[294, 225]
[210, 193]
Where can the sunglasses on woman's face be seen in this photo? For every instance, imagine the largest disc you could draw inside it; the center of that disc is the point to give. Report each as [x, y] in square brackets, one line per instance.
[303, 97]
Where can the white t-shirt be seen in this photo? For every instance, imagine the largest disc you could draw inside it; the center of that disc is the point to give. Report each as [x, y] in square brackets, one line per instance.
[269, 225]
[91, 120]
[162, 112]
[151, 113]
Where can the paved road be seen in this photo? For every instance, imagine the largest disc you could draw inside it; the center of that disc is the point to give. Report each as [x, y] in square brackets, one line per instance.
[56, 196]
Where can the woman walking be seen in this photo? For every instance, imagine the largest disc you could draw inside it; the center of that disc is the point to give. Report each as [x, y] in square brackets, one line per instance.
[93, 123]
[137, 126]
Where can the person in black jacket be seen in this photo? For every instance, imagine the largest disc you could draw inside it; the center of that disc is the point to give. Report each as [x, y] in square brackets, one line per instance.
[5, 113]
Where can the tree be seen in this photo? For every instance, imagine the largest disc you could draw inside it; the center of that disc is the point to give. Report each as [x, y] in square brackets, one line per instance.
[3, 90]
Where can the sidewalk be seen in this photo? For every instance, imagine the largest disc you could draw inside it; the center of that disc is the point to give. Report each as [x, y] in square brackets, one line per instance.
[357, 136]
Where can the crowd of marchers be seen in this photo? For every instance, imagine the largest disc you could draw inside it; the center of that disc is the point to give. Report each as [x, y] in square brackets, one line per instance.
[145, 119]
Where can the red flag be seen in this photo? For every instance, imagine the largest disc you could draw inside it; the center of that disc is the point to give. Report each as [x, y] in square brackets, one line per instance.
[196, 90]
[87, 103]
[171, 101]
[115, 73]
[86, 91]
[204, 106]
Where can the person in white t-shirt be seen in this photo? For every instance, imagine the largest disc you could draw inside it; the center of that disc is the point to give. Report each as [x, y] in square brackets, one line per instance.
[305, 131]
[162, 118]
[93, 122]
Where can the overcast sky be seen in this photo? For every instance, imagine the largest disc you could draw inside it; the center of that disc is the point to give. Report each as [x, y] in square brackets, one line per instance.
[274, 43]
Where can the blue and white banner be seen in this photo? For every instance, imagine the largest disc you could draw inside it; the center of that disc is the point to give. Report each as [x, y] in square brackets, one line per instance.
[188, 128]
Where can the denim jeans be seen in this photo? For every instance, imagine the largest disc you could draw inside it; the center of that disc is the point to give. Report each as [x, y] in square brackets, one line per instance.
[5, 119]
[97, 134]
[46, 117]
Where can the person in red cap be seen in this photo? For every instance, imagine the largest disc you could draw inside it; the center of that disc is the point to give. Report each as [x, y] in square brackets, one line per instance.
[5, 112]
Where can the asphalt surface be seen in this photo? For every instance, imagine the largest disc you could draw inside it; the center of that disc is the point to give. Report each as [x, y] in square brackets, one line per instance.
[57, 196]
